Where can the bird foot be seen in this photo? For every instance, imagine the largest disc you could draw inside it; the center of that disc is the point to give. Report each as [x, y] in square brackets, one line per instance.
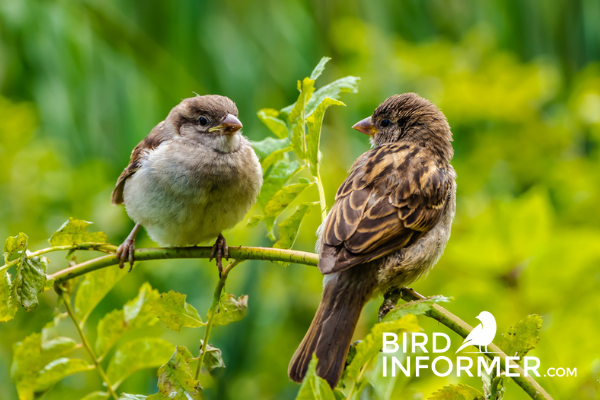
[220, 251]
[125, 251]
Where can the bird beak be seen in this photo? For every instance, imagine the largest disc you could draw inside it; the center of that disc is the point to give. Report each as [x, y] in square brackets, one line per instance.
[228, 126]
[365, 126]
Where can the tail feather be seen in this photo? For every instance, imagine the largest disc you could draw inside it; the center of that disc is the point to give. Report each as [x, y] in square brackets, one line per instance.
[330, 332]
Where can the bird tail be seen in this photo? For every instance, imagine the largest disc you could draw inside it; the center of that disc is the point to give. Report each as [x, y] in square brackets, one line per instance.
[330, 332]
[462, 346]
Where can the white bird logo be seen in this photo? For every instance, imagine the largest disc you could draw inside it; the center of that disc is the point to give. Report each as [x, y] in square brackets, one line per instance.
[483, 334]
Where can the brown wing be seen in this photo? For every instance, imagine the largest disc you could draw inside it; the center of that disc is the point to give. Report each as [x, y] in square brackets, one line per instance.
[152, 141]
[393, 196]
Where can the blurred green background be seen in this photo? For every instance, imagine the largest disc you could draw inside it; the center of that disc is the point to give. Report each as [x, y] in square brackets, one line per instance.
[82, 82]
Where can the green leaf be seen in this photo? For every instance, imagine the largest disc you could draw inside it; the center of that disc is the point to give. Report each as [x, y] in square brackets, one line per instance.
[29, 281]
[269, 117]
[319, 68]
[174, 312]
[175, 378]
[255, 220]
[136, 314]
[213, 358]
[313, 386]
[333, 90]
[74, 231]
[522, 337]
[8, 309]
[127, 396]
[93, 289]
[288, 229]
[306, 88]
[57, 370]
[138, 354]
[231, 309]
[266, 147]
[30, 357]
[314, 123]
[281, 172]
[14, 244]
[370, 347]
[457, 392]
[283, 198]
[298, 140]
[417, 307]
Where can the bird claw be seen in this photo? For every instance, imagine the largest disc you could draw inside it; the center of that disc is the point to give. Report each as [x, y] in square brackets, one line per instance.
[219, 251]
[125, 253]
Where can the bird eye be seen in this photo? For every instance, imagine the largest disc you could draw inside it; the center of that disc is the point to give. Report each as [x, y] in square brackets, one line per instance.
[203, 121]
[385, 122]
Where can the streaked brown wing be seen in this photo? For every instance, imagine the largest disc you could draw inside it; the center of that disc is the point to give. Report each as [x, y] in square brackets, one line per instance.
[393, 195]
[152, 141]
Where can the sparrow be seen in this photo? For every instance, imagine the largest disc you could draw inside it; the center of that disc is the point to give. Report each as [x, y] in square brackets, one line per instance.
[389, 225]
[192, 177]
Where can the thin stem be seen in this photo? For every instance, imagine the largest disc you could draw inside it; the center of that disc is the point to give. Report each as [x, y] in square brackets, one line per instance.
[237, 253]
[85, 341]
[527, 383]
[211, 312]
[321, 196]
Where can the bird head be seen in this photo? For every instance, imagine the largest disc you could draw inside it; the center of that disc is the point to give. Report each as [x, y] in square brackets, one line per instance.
[408, 118]
[485, 317]
[211, 120]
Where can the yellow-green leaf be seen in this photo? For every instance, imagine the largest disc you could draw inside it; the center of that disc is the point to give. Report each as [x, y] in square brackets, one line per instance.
[174, 312]
[417, 307]
[57, 370]
[314, 123]
[313, 386]
[457, 392]
[284, 197]
[306, 88]
[97, 395]
[298, 140]
[370, 347]
[332, 90]
[319, 68]
[138, 354]
[269, 117]
[175, 378]
[74, 231]
[213, 358]
[14, 244]
[288, 229]
[8, 308]
[231, 309]
[93, 289]
[522, 337]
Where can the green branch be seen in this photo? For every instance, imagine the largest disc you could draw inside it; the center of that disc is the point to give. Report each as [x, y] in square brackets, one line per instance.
[528, 384]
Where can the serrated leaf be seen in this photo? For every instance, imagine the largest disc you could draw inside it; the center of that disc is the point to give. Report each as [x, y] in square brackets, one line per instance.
[74, 231]
[314, 123]
[288, 229]
[255, 220]
[268, 146]
[417, 307]
[371, 345]
[213, 358]
[348, 84]
[313, 386]
[29, 281]
[137, 354]
[457, 392]
[174, 312]
[8, 309]
[306, 88]
[175, 378]
[136, 314]
[298, 140]
[268, 116]
[14, 244]
[319, 68]
[280, 173]
[93, 289]
[57, 370]
[231, 309]
[283, 198]
[522, 337]
[30, 357]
